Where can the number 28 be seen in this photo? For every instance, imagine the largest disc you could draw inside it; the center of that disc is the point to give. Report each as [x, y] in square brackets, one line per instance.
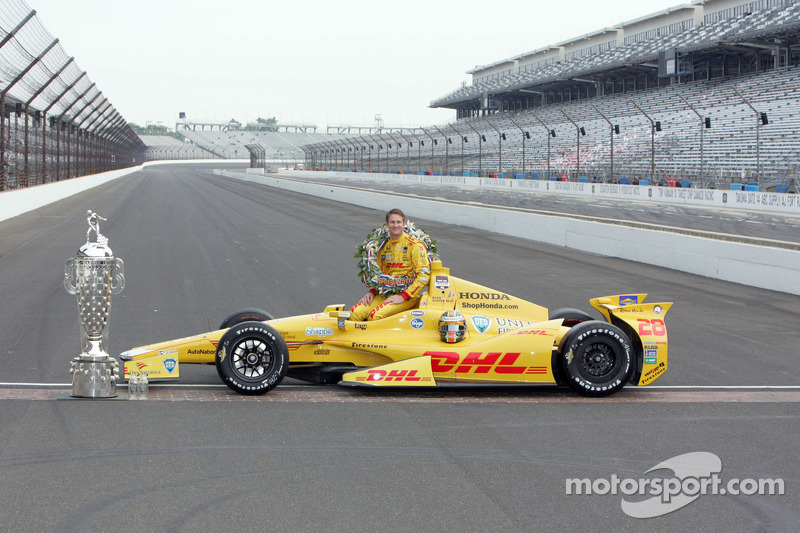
[655, 327]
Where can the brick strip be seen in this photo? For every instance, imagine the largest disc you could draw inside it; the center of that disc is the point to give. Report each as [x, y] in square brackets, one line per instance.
[332, 394]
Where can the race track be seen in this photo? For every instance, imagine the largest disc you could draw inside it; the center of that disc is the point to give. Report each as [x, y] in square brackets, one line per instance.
[198, 246]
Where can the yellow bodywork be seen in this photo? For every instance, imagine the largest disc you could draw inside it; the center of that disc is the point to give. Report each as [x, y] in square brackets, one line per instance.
[508, 340]
[647, 321]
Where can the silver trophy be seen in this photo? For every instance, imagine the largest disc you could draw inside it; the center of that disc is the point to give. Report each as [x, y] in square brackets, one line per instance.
[94, 275]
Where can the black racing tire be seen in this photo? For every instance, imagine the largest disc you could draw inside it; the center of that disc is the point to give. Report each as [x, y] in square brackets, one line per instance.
[597, 358]
[572, 317]
[252, 358]
[245, 315]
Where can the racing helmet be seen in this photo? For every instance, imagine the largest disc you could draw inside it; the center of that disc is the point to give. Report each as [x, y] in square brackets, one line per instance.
[452, 327]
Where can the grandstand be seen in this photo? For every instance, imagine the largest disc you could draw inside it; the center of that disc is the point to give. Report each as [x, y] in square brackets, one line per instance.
[162, 147]
[706, 93]
[204, 139]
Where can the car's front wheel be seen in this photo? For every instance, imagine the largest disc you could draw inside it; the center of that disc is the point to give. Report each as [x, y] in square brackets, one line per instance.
[252, 358]
[597, 358]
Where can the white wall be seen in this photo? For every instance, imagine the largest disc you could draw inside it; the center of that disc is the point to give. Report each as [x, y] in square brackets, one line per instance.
[18, 201]
[759, 266]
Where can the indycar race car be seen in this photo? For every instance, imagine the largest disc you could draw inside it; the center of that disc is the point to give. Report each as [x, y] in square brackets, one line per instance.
[461, 333]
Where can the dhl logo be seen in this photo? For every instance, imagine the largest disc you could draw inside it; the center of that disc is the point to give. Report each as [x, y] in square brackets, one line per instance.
[392, 375]
[479, 363]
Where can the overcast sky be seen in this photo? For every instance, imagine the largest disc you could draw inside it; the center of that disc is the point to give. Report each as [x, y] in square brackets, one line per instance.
[323, 62]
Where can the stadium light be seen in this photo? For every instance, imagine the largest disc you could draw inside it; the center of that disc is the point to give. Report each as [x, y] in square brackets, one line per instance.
[433, 142]
[480, 150]
[463, 140]
[761, 119]
[705, 123]
[446, 151]
[550, 133]
[579, 131]
[500, 137]
[525, 135]
[654, 126]
[614, 129]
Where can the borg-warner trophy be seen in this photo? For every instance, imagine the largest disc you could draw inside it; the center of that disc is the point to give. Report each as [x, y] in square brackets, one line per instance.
[94, 274]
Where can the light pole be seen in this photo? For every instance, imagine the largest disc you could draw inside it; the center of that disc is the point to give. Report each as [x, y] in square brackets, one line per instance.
[550, 133]
[579, 131]
[500, 137]
[408, 149]
[614, 129]
[463, 141]
[447, 141]
[433, 142]
[525, 135]
[399, 144]
[480, 149]
[704, 123]
[654, 127]
[761, 118]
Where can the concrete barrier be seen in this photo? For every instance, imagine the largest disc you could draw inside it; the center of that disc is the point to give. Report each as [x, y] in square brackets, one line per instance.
[765, 267]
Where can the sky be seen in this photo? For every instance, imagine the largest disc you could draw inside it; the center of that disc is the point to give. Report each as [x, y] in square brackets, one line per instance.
[320, 62]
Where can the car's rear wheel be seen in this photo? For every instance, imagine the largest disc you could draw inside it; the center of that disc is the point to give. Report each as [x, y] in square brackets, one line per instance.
[252, 358]
[572, 317]
[597, 358]
[245, 315]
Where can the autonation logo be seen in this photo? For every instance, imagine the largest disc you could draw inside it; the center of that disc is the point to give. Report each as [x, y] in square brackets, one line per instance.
[694, 474]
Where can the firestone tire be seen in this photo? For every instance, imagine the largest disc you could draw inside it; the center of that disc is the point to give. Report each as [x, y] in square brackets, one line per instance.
[252, 358]
[245, 315]
[597, 358]
[572, 317]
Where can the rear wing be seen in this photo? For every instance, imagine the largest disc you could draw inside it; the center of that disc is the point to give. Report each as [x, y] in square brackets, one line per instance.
[645, 325]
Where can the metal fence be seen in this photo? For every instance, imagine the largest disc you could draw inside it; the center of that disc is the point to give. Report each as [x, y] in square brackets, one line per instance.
[55, 123]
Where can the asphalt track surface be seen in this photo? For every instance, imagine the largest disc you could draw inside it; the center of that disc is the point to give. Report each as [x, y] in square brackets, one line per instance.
[199, 457]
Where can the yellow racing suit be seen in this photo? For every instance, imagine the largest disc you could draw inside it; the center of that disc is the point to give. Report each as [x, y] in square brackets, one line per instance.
[407, 259]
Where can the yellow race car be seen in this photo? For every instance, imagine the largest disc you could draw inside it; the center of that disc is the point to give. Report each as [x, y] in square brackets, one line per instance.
[461, 333]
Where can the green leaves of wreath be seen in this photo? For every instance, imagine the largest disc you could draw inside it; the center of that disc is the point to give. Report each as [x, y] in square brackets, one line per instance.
[368, 269]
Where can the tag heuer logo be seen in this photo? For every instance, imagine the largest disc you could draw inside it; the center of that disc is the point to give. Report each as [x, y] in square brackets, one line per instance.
[481, 323]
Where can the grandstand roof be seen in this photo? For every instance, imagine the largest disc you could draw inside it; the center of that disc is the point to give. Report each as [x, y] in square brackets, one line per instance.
[732, 34]
[651, 17]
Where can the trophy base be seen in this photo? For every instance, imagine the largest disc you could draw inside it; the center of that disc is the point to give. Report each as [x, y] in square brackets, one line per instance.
[92, 378]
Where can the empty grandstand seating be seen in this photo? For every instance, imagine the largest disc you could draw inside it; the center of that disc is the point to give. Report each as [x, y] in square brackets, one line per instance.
[737, 147]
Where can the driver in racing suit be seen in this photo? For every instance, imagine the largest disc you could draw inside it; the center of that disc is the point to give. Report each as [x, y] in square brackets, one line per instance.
[400, 257]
